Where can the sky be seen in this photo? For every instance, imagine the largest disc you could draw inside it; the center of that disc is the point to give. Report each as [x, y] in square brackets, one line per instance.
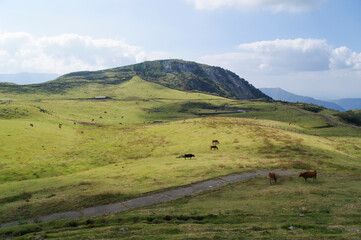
[307, 47]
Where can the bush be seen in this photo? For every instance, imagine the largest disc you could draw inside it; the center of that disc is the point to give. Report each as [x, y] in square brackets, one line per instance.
[312, 108]
[353, 117]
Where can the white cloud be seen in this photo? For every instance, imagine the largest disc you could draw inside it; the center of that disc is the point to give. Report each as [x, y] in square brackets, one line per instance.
[344, 58]
[22, 52]
[310, 64]
[266, 5]
[291, 54]
[288, 55]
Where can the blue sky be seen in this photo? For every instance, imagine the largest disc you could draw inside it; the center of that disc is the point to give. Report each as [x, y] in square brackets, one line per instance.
[309, 47]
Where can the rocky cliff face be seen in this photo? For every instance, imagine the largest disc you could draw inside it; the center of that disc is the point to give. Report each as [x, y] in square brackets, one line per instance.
[188, 76]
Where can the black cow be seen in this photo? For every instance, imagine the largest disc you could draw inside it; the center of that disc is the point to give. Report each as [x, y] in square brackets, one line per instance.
[189, 155]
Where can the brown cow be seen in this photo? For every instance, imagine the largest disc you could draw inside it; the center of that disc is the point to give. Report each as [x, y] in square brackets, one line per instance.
[272, 177]
[60, 125]
[31, 125]
[311, 174]
[213, 147]
[214, 142]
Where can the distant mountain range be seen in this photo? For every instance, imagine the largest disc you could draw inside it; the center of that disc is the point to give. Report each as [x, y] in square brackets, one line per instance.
[175, 74]
[339, 105]
[349, 103]
[27, 78]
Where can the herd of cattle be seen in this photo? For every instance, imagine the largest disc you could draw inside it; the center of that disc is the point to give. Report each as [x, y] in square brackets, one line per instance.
[272, 177]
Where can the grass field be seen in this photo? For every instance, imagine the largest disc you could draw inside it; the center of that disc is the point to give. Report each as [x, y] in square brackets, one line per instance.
[126, 146]
[328, 209]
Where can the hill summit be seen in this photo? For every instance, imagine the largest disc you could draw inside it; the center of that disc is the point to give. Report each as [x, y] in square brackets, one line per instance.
[188, 76]
[175, 74]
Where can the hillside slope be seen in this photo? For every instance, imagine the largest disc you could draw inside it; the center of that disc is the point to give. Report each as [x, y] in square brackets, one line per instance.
[183, 75]
[111, 150]
[174, 74]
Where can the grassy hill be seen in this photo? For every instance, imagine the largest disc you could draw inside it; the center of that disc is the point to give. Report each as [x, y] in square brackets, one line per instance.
[174, 74]
[109, 150]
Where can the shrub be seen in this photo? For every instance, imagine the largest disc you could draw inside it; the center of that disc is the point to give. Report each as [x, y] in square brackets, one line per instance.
[353, 117]
[312, 108]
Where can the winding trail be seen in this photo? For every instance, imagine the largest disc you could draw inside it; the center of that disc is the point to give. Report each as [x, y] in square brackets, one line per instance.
[165, 196]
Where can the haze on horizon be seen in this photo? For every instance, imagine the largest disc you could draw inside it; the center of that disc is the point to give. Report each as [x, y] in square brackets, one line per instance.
[310, 47]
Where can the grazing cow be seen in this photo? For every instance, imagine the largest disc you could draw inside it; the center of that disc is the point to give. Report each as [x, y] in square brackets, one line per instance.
[213, 147]
[100, 117]
[74, 123]
[82, 131]
[311, 174]
[189, 155]
[105, 111]
[214, 142]
[60, 125]
[272, 177]
[31, 125]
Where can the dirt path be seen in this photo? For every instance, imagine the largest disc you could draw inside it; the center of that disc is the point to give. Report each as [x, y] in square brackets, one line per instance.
[152, 199]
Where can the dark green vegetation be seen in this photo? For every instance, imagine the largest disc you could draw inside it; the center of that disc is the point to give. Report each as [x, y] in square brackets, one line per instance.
[352, 116]
[109, 150]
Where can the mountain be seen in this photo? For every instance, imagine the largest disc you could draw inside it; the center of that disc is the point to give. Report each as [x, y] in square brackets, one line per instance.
[280, 94]
[175, 74]
[349, 103]
[187, 76]
[27, 78]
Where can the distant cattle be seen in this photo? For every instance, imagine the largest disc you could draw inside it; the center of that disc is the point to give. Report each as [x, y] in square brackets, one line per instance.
[214, 142]
[189, 155]
[31, 125]
[100, 117]
[311, 174]
[60, 125]
[82, 131]
[74, 122]
[105, 111]
[93, 120]
[272, 177]
[213, 147]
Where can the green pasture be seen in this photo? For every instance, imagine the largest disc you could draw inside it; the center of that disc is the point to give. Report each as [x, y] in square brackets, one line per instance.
[129, 145]
[253, 209]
